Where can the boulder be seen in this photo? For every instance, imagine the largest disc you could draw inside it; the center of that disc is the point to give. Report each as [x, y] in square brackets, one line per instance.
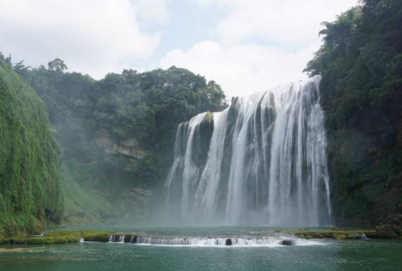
[228, 242]
[288, 243]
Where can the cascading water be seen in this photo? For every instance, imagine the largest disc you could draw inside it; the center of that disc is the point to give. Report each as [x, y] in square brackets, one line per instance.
[262, 161]
[269, 239]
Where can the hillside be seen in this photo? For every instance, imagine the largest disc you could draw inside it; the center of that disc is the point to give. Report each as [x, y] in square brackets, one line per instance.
[361, 65]
[30, 194]
[117, 134]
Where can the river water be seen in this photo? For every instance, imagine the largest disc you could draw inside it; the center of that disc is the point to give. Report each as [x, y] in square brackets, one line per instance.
[305, 255]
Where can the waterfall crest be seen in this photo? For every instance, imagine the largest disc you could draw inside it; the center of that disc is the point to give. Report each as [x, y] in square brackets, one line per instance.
[262, 161]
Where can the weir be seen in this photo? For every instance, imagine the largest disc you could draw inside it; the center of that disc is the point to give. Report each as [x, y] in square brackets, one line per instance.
[262, 161]
[271, 240]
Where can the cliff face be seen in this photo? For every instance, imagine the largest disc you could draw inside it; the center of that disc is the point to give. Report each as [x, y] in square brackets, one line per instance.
[30, 195]
[128, 147]
[365, 170]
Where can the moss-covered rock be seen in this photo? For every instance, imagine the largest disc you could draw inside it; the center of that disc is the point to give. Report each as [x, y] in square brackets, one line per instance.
[52, 240]
[97, 236]
[337, 234]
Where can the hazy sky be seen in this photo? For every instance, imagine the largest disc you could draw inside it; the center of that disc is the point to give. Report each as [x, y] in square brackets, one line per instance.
[244, 45]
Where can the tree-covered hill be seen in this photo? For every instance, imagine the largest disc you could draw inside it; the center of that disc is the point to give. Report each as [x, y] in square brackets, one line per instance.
[361, 65]
[117, 134]
[30, 193]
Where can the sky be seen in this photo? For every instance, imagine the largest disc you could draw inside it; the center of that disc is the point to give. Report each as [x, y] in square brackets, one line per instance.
[243, 45]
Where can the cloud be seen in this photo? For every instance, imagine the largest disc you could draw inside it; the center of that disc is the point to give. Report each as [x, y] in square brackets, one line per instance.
[244, 68]
[258, 44]
[91, 36]
[154, 11]
[252, 44]
[279, 21]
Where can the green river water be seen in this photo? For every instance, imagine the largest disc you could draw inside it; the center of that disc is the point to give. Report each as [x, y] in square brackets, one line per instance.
[306, 255]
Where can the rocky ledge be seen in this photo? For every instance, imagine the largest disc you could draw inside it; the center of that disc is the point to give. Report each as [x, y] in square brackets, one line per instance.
[334, 233]
[385, 231]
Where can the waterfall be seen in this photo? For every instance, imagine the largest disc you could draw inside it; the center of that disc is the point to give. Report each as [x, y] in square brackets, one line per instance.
[262, 161]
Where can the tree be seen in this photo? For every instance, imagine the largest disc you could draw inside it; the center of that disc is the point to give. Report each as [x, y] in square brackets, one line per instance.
[57, 65]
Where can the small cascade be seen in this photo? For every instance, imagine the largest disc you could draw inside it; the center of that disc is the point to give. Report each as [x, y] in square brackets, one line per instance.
[262, 161]
[202, 241]
[116, 239]
[267, 241]
[133, 239]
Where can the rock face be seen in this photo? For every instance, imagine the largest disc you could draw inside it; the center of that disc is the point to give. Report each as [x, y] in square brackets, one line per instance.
[391, 227]
[365, 171]
[128, 147]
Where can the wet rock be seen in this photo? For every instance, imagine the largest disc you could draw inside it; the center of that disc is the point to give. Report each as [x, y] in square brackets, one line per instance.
[134, 239]
[117, 238]
[17, 241]
[229, 242]
[338, 236]
[96, 236]
[127, 238]
[288, 243]
[356, 236]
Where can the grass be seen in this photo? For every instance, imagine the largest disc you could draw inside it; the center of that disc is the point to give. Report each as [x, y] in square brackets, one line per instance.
[82, 206]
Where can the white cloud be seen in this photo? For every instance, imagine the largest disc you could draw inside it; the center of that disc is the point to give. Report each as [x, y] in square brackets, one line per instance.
[241, 69]
[259, 43]
[154, 11]
[283, 21]
[255, 44]
[91, 36]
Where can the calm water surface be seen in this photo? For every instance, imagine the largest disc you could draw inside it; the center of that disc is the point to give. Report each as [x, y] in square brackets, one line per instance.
[319, 255]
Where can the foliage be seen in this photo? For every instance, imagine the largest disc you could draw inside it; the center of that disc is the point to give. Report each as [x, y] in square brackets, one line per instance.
[30, 195]
[361, 66]
[361, 61]
[145, 106]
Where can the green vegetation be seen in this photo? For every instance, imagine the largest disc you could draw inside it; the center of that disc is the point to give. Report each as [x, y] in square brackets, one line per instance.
[116, 134]
[361, 67]
[83, 206]
[30, 195]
